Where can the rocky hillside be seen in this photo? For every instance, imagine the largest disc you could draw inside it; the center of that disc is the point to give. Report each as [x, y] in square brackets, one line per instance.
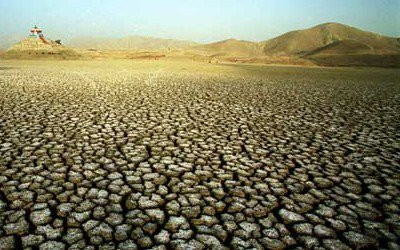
[302, 42]
[39, 47]
[231, 47]
[36, 44]
[331, 44]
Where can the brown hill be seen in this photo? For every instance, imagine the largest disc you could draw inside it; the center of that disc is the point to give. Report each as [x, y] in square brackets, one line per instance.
[369, 60]
[35, 44]
[129, 43]
[343, 47]
[327, 44]
[39, 47]
[302, 42]
[231, 47]
[352, 53]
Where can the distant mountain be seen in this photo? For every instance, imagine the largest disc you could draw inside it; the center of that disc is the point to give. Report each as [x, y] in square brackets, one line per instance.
[326, 44]
[131, 42]
[231, 47]
[329, 38]
[331, 44]
[335, 38]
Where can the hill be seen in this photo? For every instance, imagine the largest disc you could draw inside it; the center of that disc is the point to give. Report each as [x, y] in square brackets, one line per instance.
[303, 42]
[326, 44]
[129, 43]
[352, 53]
[231, 47]
[368, 60]
[330, 44]
[40, 47]
[343, 47]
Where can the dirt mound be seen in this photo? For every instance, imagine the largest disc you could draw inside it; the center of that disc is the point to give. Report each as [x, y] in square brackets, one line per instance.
[39, 47]
[36, 44]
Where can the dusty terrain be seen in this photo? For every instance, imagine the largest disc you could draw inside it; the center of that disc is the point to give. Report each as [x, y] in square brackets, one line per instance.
[166, 155]
[328, 44]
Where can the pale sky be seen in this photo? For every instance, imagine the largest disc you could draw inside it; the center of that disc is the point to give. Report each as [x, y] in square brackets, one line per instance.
[196, 20]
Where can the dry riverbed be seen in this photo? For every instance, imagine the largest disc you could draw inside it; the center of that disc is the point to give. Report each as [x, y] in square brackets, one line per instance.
[159, 155]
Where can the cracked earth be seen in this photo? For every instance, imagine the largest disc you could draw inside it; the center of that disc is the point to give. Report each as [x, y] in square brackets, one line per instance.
[185, 160]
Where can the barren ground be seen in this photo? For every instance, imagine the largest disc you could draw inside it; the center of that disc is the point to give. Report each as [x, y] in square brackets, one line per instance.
[164, 155]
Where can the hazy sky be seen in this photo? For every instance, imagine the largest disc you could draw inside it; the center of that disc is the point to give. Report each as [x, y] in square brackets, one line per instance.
[197, 20]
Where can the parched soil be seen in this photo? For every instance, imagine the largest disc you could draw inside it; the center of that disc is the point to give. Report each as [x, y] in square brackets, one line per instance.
[142, 159]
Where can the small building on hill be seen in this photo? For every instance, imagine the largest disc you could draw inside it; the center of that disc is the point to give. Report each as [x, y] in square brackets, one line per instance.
[37, 46]
[36, 32]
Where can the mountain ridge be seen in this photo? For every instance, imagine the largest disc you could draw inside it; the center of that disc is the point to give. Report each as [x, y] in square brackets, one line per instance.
[304, 41]
[332, 44]
[129, 42]
[232, 47]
